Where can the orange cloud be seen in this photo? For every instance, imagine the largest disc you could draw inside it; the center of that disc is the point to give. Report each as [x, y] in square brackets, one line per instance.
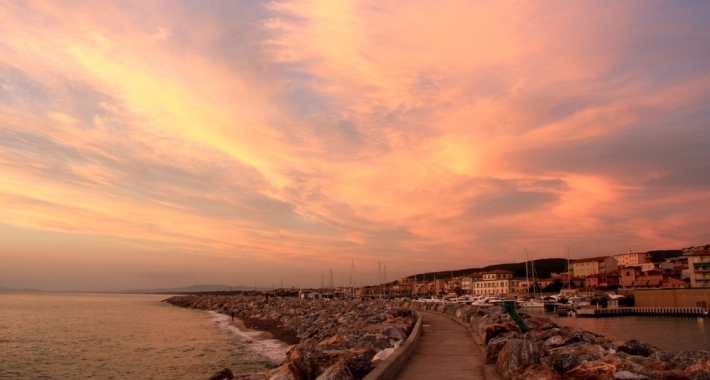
[431, 135]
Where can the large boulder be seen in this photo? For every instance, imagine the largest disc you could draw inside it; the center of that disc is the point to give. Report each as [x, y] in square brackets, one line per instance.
[288, 371]
[225, 374]
[376, 341]
[626, 375]
[672, 374]
[516, 353]
[698, 371]
[681, 359]
[650, 363]
[544, 334]
[619, 368]
[496, 344]
[536, 371]
[539, 323]
[634, 347]
[597, 370]
[359, 362]
[394, 332]
[338, 371]
[565, 362]
[491, 331]
[586, 350]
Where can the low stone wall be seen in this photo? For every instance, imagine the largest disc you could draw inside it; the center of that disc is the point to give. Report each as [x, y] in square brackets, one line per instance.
[339, 338]
[390, 367]
[552, 352]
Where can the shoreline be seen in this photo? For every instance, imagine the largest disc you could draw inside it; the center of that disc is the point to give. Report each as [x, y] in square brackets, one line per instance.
[263, 329]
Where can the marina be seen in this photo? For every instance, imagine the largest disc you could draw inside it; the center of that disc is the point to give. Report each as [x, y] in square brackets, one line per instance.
[643, 311]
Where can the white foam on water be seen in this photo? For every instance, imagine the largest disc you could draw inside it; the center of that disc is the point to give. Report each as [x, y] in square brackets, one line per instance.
[273, 349]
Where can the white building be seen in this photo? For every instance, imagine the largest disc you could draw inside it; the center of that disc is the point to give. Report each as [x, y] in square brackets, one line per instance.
[466, 284]
[593, 265]
[496, 282]
[699, 266]
[632, 258]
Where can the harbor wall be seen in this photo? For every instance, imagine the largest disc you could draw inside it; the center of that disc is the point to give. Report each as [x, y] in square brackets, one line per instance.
[672, 297]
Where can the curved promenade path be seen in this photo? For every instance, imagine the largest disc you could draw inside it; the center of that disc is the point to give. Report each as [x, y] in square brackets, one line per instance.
[446, 350]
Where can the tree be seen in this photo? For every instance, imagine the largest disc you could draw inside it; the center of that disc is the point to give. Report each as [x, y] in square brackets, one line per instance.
[554, 287]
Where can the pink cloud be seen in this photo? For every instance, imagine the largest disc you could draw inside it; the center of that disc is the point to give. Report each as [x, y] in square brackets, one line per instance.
[427, 135]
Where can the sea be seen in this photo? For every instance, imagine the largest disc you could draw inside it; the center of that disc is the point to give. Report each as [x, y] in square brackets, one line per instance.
[121, 336]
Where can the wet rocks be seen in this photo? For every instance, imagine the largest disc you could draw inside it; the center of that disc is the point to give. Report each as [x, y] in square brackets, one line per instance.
[634, 347]
[698, 371]
[338, 338]
[681, 359]
[225, 374]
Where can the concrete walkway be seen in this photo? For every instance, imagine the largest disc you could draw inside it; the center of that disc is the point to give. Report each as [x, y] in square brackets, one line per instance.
[446, 350]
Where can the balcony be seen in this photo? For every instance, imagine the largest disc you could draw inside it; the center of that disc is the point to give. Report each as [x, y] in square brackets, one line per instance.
[701, 267]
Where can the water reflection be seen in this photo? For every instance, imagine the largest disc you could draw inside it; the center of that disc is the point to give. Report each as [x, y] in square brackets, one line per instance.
[667, 333]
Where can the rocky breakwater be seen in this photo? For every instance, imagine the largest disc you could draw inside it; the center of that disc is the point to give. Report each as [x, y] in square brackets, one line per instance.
[548, 351]
[339, 339]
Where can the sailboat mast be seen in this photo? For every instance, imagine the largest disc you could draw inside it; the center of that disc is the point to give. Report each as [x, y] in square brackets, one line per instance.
[527, 278]
[569, 279]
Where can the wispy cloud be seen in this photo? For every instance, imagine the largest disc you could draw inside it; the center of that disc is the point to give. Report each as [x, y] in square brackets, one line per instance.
[291, 136]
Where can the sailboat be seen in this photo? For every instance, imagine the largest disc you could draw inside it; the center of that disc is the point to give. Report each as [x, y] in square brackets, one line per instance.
[533, 302]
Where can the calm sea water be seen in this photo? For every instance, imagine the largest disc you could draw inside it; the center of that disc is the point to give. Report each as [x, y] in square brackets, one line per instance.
[105, 336]
[667, 333]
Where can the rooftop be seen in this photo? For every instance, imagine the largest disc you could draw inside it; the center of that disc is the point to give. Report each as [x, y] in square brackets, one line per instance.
[705, 252]
[589, 259]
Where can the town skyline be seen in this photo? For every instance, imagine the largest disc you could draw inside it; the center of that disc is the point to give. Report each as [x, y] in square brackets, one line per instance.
[168, 143]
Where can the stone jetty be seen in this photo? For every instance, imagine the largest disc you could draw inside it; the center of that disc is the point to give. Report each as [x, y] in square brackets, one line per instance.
[339, 339]
[552, 352]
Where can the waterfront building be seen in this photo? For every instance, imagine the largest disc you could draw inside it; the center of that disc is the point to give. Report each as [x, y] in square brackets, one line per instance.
[593, 265]
[633, 277]
[466, 284]
[632, 258]
[678, 265]
[652, 279]
[423, 288]
[699, 267]
[524, 286]
[496, 282]
[602, 280]
[440, 286]
[403, 286]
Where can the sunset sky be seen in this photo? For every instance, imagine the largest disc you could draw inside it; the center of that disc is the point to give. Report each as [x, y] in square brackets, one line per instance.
[149, 144]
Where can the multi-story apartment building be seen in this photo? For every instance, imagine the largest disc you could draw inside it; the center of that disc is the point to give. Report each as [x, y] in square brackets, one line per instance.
[496, 282]
[593, 265]
[632, 258]
[699, 266]
[466, 284]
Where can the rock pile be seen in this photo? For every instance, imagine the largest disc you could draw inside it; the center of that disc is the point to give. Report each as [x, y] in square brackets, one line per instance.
[552, 352]
[339, 338]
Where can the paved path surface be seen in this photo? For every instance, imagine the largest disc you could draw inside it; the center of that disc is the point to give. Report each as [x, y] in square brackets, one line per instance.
[446, 350]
